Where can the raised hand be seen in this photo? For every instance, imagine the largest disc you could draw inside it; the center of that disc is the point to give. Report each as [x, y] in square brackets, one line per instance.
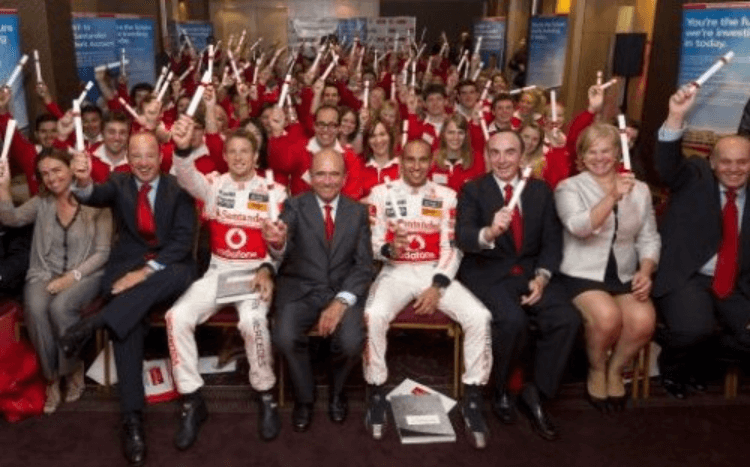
[679, 105]
[182, 132]
[596, 99]
[81, 167]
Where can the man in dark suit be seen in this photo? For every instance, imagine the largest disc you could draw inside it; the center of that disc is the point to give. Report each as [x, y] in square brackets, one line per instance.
[150, 263]
[324, 240]
[509, 262]
[704, 273]
[15, 244]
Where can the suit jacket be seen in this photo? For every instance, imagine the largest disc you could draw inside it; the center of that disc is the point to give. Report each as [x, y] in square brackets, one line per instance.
[309, 265]
[174, 213]
[585, 250]
[691, 227]
[15, 243]
[542, 240]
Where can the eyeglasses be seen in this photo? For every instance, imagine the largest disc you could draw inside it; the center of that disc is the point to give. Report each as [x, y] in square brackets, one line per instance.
[326, 126]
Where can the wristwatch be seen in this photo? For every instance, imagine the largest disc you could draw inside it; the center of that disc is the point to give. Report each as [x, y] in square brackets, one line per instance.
[77, 275]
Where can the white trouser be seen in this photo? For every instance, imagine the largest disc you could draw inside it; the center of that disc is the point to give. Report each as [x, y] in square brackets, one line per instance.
[195, 307]
[394, 288]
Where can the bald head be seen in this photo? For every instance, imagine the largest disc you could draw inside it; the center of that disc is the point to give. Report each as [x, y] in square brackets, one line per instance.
[327, 174]
[730, 161]
[144, 156]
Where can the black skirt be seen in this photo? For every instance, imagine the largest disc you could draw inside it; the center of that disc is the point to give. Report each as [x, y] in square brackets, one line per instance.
[611, 284]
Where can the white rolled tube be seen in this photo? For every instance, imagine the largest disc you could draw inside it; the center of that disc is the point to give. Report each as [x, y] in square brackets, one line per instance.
[461, 62]
[366, 98]
[110, 66]
[389, 197]
[78, 123]
[714, 68]
[520, 90]
[479, 45]
[478, 70]
[234, 66]
[553, 104]
[624, 142]
[186, 73]
[404, 134]
[205, 80]
[188, 41]
[211, 53]
[519, 189]
[130, 110]
[255, 44]
[608, 84]
[599, 78]
[284, 91]
[414, 74]
[164, 86]
[238, 49]
[161, 77]
[393, 90]
[38, 67]
[122, 62]
[273, 208]
[17, 71]
[485, 131]
[395, 43]
[420, 52]
[485, 91]
[9, 130]
[85, 91]
[328, 71]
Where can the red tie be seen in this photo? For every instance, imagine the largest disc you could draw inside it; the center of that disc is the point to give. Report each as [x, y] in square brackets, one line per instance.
[145, 216]
[329, 222]
[516, 223]
[725, 274]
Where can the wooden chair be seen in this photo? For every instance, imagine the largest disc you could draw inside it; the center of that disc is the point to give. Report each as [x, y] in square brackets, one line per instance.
[731, 382]
[641, 386]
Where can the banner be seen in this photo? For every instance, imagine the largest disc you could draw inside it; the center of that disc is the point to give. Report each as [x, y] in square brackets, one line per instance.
[199, 33]
[548, 43]
[381, 32]
[99, 40]
[708, 32]
[350, 28]
[10, 53]
[308, 31]
[492, 32]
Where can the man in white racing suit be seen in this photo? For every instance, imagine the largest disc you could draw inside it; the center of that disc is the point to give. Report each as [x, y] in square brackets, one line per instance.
[413, 235]
[235, 205]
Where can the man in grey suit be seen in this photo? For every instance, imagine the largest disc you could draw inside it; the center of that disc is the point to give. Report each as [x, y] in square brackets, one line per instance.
[323, 239]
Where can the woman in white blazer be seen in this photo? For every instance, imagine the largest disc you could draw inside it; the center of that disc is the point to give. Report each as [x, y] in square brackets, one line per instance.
[610, 251]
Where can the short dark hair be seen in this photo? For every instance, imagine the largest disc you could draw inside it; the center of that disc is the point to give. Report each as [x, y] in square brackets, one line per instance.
[434, 89]
[499, 98]
[43, 118]
[59, 154]
[140, 87]
[87, 109]
[116, 116]
[514, 133]
[467, 82]
[329, 107]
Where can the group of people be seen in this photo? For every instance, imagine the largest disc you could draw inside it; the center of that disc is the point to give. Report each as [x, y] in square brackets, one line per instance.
[338, 208]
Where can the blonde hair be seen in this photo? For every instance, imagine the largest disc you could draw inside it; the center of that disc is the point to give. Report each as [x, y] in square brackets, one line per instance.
[465, 153]
[592, 134]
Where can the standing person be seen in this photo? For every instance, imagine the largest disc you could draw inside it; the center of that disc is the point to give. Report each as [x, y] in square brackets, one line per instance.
[421, 261]
[323, 239]
[70, 246]
[235, 204]
[610, 251]
[150, 264]
[510, 261]
[704, 278]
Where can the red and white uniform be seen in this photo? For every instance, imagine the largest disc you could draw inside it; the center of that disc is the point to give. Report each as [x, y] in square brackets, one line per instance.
[373, 174]
[428, 213]
[102, 166]
[235, 212]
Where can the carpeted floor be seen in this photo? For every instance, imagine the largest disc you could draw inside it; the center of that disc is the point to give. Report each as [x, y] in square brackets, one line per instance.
[705, 430]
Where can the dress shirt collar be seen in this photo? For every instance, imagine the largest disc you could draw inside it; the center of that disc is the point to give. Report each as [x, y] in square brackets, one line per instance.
[333, 203]
[314, 146]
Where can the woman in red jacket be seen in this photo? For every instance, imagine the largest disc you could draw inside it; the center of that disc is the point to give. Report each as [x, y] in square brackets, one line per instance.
[455, 162]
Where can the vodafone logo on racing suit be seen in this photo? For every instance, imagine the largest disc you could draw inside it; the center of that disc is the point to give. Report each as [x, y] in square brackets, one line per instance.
[235, 238]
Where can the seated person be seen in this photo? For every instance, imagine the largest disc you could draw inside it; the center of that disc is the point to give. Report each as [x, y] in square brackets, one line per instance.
[510, 261]
[324, 240]
[421, 261]
[704, 278]
[70, 247]
[610, 251]
[15, 243]
[235, 205]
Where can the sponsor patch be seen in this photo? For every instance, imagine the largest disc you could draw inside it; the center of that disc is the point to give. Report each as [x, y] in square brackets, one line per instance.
[432, 212]
[225, 202]
[432, 203]
[260, 197]
[263, 207]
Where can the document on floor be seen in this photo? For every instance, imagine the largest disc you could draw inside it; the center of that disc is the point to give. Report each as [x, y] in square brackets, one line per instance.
[410, 387]
[422, 419]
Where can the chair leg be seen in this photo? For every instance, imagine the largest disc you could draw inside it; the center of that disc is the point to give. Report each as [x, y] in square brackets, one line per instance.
[281, 381]
[731, 382]
[636, 384]
[646, 389]
[104, 336]
[457, 362]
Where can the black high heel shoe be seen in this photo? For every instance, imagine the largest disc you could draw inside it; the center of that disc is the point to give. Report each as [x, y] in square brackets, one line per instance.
[618, 403]
[600, 404]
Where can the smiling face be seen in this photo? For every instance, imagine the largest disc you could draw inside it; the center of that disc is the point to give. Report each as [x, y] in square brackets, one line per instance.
[503, 112]
[144, 157]
[327, 174]
[56, 175]
[504, 151]
[348, 124]
[454, 136]
[46, 133]
[115, 137]
[330, 96]
[326, 126]
[531, 138]
[415, 163]
[379, 140]
[526, 104]
[92, 124]
[468, 96]
[435, 104]
[730, 161]
[601, 157]
[240, 154]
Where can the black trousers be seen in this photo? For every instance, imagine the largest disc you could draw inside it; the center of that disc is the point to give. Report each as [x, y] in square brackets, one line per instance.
[125, 315]
[294, 320]
[691, 316]
[554, 317]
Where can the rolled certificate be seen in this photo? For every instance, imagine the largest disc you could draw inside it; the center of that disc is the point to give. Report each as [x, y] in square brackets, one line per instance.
[122, 62]
[130, 110]
[366, 97]
[485, 91]
[85, 91]
[284, 91]
[519, 189]
[520, 90]
[258, 63]
[414, 74]
[210, 62]
[255, 44]
[238, 49]
[17, 71]
[420, 52]
[318, 56]
[553, 104]
[599, 77]
[479, 45]
[393, 90]
[714, 68]
[9, 130]
[80, 146]
[395, 44]
[359, 63]
[186, 73]
[328, 71]
[390, 199]
[608, 83]
[485, 131]
[188, 41]
[624, 142]
[464, 58]
[234, 66]
[479, 70]
[161, 77]
[110, 66]
[165, 85]
[38, 67]
[206, 79]
[273, 208]
[405, 134]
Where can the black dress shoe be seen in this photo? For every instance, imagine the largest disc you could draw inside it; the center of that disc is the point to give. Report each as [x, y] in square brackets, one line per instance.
[505, 408]
[193, 413]
[618, 403]
[598, 403]
[269, 422]
[72, 342]
[697, 384]
[674, 388]
[531, 406]
[301, 416]
[338, 408]
[133, 439]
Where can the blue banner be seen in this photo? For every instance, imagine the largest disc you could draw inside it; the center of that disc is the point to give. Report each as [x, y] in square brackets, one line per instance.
[99, 41]
[492, 32]
[548, 43]
[199, 33]
[709, 32]
[10, 54]
[350, 28]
